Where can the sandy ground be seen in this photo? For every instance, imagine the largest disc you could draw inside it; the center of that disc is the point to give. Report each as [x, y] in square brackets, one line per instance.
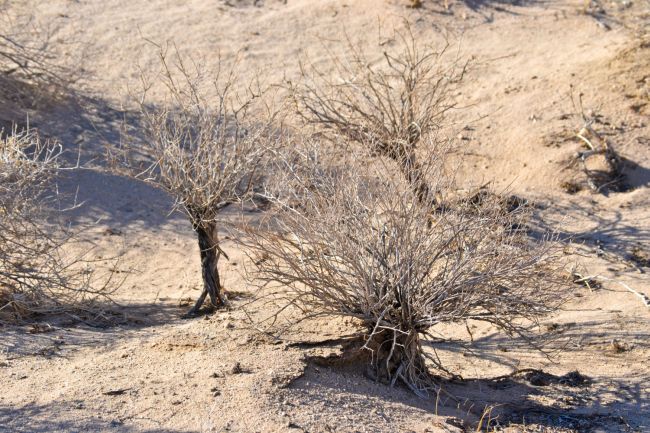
[152, 371]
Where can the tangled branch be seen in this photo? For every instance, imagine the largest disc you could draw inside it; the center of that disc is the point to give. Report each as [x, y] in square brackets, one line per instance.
[208, 153]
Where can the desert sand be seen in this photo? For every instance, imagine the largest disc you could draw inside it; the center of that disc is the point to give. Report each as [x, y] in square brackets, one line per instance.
[150, 370]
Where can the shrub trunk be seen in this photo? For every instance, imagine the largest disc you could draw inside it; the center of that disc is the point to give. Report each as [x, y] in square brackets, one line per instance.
[397, 355]
[210, 254]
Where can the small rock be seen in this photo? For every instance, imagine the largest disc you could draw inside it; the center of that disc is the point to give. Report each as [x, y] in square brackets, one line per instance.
[112, 232]
[244, 340]
[618, 347]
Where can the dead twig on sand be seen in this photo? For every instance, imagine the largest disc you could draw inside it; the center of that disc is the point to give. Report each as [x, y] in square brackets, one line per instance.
[602, 165]
[644, 298]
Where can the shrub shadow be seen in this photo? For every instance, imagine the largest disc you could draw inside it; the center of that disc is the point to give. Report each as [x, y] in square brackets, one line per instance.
[527, 397]
[117, 201]
[501, 5]
[56, 335]
[636, 175]
[617, 234]
[65, 417]
[616, 406]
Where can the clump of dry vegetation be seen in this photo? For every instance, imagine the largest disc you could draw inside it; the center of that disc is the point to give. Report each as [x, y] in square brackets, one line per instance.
[362, 232]
[360, 244]
[29, 70]
[43, 266]
[600, 162]
[603, 167]
[207, 153]
[386, 105]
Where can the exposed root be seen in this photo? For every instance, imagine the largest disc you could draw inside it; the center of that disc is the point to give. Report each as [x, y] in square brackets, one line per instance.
[397, 356]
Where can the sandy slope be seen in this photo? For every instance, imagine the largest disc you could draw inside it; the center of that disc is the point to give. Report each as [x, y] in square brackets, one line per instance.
[157, 373]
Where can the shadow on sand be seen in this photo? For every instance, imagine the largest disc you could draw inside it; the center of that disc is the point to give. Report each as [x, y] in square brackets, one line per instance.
[66, 417]
[568, 402]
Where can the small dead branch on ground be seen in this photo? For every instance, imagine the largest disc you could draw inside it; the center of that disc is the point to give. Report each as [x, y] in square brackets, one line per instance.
[590, 279]
[587, 281]
[602, 165]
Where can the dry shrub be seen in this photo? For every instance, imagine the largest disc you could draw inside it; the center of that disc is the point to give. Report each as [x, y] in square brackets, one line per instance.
[30, 70]
[355, 241]
[208, 153]
[44, 267]
[601, 163]
[388, 105]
